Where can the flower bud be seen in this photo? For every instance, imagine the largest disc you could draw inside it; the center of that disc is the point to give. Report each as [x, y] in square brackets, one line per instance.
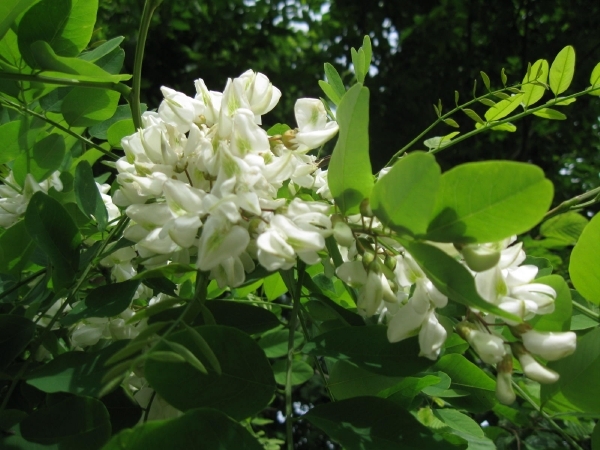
[365, 208]
[504, 390]
[533, 369]
[479, 257]
[390, 262]
[550, 346]
[343, 234]
[368, 258]
[489, 347]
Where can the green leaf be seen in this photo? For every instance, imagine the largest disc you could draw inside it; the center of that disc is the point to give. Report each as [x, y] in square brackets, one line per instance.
[9, 11]
[473, 115]
[12, 135]
[71, 422]
[88, 196]
[437, 142]
[75, 372]
[199, 429]
[347, 380]
[359, 63]
[187, 355]
[476, 204]
[469, 378]
[404, 198]
[52, 229]
[578, 381]
[583, 266]
[502, 127]
[66, 25]
[102, 50]
[560, 319]
[487, 101]
[15, 249]
[105, 301]
[371, 423]
[244, 388]
[70, 68]
[562, 70]
[274, 286]
[532, 93]
[275, 343]
[330, 92]
[246, 317]
[503, 77]
[565, 227]
[595, 83]
[350, 177]
[486, 79]
[369, 348]
[551, 114]
[452, 278]
[368, 50]
[452, 123]
[301, 372]
[503, 108]
[122, 112]
[560, 102]
[15, 334]
[334, 80]
[83, 107]
[118, 131]
[596, 437]
[48, 154]
[458, 421]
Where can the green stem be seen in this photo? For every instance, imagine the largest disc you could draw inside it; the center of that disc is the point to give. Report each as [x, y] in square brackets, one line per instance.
[10, 185]
[553, 424]
[22, 283]
[586, 311]
[134, 99]
[295, 290]
[60, 127]
[123, 89]
[571, 203]
[490, 125]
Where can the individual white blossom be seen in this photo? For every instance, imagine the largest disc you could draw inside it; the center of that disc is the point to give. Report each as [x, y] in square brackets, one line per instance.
[550, 345]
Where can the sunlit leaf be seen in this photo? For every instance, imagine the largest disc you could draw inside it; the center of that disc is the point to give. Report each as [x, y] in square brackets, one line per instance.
[532, 93]
[548, 113]
[562, 70]
[583, 266]
[83, 107]
[503, 108]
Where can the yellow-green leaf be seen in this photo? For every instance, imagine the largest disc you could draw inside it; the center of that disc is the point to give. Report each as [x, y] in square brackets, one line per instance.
[562, 70]
[532, 93]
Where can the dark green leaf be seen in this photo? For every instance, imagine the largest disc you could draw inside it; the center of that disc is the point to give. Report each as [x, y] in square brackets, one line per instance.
[9, 11]
[52, 229]
[275, 343]
[301, 372]
[104, 301]
[83, 107]
[11, 137]
[15, 333]
[246, 317]
[371, 423]
[467, 377]
[72, 422]
[244, 388]
[369, 348]
[350, 177]
[88, 196]
[404, 198]
[15, 249]
[583, 266]
[476, 204]
[75, 372]
[347, 380]
[199, 429]
[122, 112]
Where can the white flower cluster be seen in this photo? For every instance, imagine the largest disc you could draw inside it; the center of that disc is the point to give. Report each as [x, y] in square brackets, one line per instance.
[200, 180]
[14, 198]
[397, 289]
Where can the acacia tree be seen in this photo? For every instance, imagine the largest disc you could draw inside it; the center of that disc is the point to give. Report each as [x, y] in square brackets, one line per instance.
[225, 266]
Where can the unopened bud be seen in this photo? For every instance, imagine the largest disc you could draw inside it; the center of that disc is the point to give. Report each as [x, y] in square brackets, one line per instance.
[343, 234]
[532, 368]
[367, 259]
[390, 262]
[365, 208]
[364, 246]
[480, 258]
[504, 390]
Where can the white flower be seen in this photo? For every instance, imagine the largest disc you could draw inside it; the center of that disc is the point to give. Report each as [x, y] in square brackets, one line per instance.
[407, 320]
[489, 347]
[504, 390]
[533, 369]
[550, 345]
[220, 240]
[179, 110]
[313, 128]
[431, 337]
[261, 94]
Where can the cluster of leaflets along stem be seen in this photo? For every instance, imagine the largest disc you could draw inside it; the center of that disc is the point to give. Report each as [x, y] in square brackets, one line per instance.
[163, 291]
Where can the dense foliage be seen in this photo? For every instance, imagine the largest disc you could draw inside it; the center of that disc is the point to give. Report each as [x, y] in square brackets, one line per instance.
[192, 272]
